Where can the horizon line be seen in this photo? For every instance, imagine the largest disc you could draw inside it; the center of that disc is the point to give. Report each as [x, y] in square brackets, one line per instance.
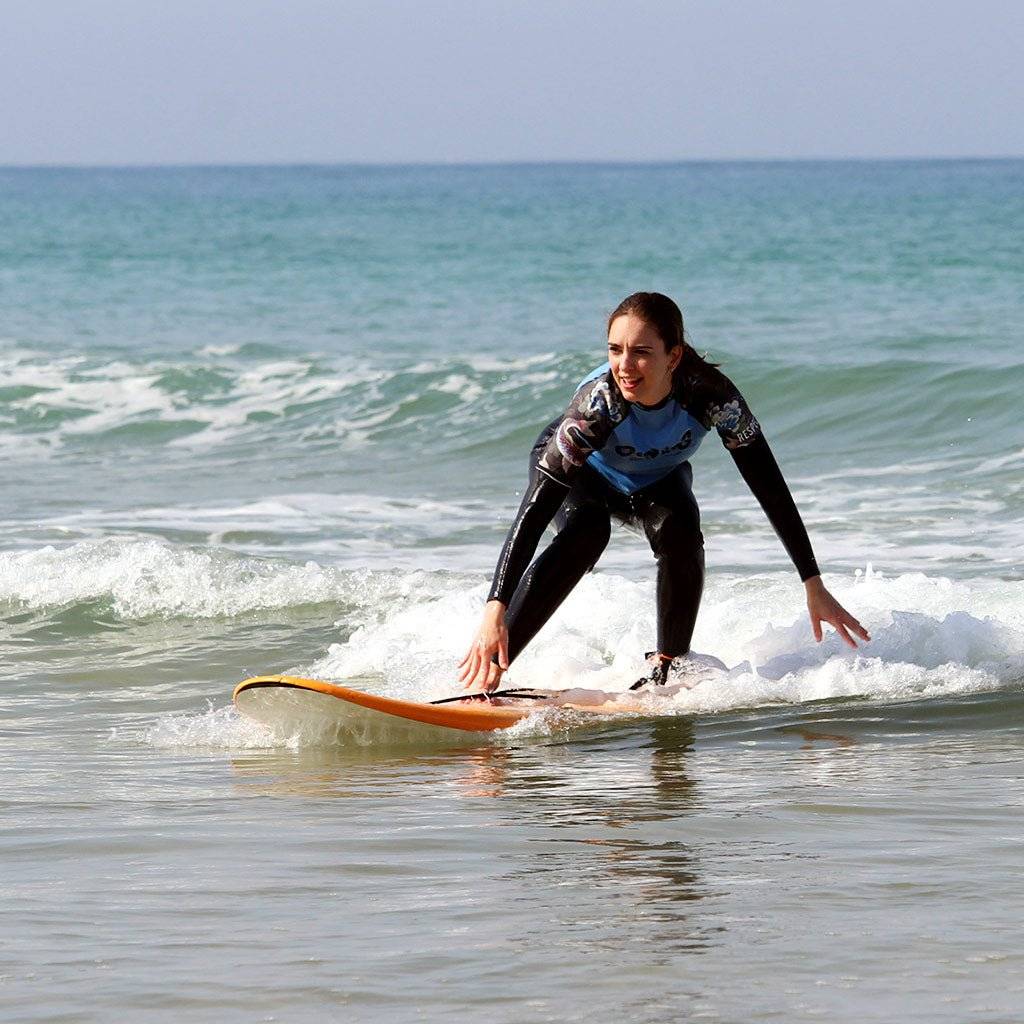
[557, 162]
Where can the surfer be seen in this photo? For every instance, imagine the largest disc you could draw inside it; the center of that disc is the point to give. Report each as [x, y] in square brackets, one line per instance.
[622, 450]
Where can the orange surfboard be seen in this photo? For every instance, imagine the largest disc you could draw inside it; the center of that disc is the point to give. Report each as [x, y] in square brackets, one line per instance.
[294, 702]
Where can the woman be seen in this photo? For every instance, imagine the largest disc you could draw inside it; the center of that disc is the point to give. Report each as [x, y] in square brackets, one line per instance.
[622, 449]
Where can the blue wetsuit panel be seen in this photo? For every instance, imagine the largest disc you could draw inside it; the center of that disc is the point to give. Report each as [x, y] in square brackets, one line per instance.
[647, 445]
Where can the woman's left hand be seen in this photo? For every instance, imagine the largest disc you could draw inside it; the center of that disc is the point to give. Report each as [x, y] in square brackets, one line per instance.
[823, 607]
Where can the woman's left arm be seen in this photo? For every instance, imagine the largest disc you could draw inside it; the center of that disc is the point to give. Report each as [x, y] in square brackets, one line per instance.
[758, 467]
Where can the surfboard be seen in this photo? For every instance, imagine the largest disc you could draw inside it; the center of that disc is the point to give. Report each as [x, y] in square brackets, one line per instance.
[296, 703]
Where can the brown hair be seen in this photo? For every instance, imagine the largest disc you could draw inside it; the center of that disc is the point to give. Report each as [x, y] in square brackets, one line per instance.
[666, 318]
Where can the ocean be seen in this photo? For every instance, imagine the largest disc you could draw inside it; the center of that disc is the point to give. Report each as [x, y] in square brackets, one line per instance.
[276, 419]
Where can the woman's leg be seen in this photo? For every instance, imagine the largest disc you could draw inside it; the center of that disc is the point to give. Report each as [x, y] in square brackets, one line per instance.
[584, 526]
[670, 518]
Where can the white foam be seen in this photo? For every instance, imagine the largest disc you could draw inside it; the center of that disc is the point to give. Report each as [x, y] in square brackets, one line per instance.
[217, 728]
[92, 397]
[116, 394]
[145, 578]
[230, 349]
[481, 363]
[268, 387]
[930, 636]
[121, 396]
[351, 530]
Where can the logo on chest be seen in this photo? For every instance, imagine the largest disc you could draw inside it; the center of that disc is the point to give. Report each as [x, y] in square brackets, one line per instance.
[627, 451]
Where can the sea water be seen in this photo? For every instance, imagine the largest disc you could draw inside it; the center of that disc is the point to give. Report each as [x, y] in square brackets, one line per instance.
[276, 419]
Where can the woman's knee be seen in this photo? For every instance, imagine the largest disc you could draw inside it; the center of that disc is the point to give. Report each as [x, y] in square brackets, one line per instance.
[675, 532]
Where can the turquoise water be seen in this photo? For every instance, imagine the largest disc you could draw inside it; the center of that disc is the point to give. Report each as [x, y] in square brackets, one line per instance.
[268, 419]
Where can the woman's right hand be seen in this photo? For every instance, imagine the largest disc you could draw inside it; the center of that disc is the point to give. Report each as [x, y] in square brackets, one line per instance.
[477, 668]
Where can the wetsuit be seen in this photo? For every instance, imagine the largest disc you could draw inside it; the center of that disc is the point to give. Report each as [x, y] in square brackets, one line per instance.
[607, 457]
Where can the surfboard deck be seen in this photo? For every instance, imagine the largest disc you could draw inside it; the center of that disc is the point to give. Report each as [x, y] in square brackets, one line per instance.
[275, 700]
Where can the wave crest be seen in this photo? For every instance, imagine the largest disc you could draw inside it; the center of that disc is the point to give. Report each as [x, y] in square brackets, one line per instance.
[142, 579]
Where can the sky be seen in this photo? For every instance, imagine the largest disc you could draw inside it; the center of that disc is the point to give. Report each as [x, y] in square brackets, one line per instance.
[396, 81]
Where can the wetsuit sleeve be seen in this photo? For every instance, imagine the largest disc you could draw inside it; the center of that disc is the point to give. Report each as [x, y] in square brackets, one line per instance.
[725, 409]
[539, 505]
[594, 412]
[759, 469]
[588, 422]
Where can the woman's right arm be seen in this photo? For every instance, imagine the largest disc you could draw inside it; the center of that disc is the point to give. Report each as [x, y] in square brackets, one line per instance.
[542, 500]
[539, 505]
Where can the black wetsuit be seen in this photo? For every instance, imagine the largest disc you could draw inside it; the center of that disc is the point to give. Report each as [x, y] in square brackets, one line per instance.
[607, 457]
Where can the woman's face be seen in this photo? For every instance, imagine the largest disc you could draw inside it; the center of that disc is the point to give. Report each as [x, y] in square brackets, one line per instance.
[640, 365]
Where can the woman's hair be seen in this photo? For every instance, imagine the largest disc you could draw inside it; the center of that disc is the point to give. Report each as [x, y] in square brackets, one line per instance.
[667, 320]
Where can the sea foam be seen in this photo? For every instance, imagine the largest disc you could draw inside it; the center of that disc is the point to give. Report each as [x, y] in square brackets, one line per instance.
[929, 636]
[403, 632]
[141, 579]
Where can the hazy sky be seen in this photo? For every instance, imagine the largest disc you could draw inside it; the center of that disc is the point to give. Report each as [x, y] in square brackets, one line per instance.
[137, 81]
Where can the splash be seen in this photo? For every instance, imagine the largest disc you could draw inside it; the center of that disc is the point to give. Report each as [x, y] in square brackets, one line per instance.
[220, 728]
[929, 637]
